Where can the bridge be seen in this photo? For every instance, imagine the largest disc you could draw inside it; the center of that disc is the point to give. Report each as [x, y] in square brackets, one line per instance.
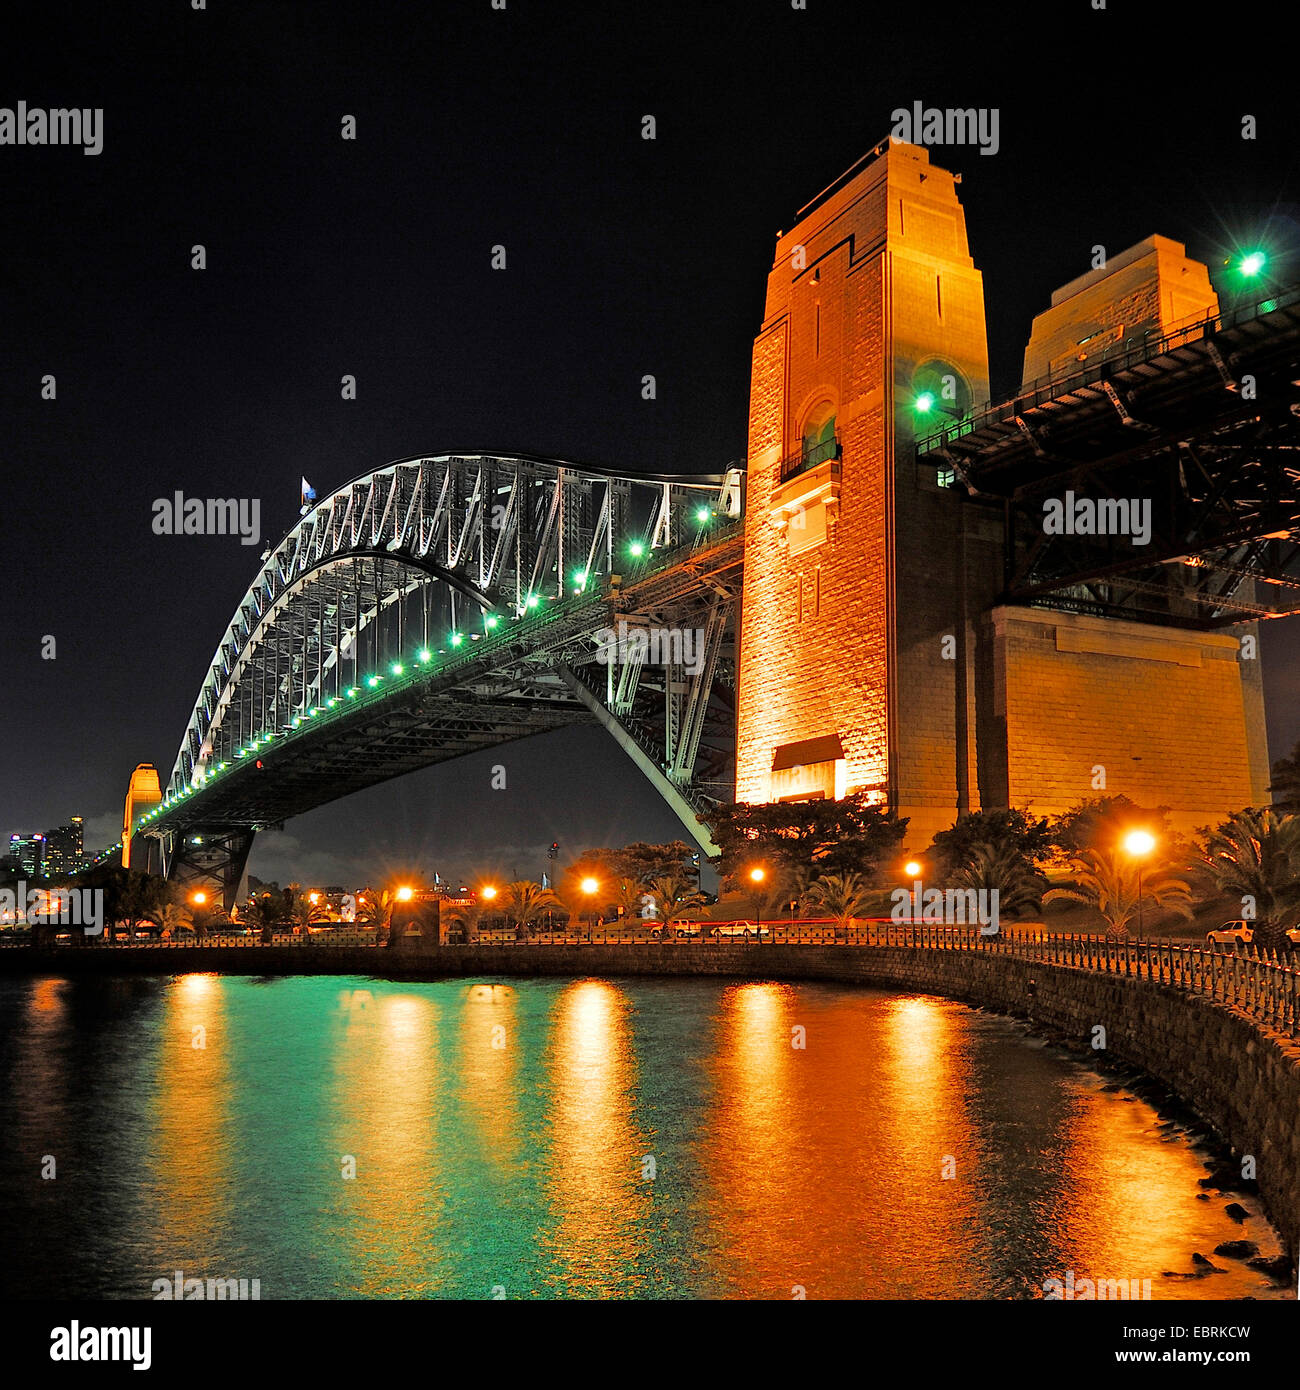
[443, 605]
[873, 603]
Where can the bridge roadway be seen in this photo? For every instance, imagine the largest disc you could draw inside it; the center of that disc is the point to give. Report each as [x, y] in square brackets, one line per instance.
[539, 672]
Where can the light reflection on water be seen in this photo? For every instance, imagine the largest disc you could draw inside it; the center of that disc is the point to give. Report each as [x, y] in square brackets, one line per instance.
[586, 1138]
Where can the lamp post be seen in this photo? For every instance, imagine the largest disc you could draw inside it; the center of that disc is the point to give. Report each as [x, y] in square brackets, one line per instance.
[589, 887]
[756, 877]
[1139, 843]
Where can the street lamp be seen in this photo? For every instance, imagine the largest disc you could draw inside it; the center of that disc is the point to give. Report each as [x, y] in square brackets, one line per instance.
[912, 869]
[589, 887]
[199, 898]
[1139, 843]
[757, 876]
[405, 894]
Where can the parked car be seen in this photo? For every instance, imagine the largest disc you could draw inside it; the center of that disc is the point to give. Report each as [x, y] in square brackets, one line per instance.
[1243, 933]
[746, 931]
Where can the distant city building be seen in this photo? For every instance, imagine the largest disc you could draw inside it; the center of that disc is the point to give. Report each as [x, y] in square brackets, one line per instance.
[27, 855]
[64, 852]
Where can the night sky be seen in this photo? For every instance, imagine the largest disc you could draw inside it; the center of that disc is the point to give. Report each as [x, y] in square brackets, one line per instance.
[478, 127]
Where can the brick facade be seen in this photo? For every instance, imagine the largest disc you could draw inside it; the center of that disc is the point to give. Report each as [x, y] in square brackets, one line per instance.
[868, 625]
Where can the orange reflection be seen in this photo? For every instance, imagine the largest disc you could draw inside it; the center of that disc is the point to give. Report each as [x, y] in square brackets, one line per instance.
[390, 1132]
[595, 1187]
[811, 1138]
[193, 1140]
[489, 1066]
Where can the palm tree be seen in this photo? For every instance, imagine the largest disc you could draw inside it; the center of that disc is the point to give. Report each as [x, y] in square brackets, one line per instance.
[302, 914]
[1255, 855]
[264, 913]
[1004, 870]
[525, 901]
[675, 899]
[844, 896]
[1108, 882]
[172, 918]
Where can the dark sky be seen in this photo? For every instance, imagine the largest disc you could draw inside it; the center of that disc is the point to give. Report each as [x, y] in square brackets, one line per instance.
[479, 127]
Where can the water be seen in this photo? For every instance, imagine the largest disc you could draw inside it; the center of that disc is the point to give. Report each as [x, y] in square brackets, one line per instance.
[503, 1137]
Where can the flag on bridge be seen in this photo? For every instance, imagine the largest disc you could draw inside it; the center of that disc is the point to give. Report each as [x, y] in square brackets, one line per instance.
[308, 496]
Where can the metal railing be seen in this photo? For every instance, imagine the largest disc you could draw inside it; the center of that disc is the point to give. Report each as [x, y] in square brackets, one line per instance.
[1258, 984]
[809, 458]
[1113, 357]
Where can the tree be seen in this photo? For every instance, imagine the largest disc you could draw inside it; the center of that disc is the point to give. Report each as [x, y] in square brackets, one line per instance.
[1108, 881]
[1286, 783]
[1255, 855]
[850, 835]
[643, 862]
[1003, 868]
[844, 896]
[526, 901]
[266, 913]
[675, 898]
[130, 896]
[1029, 838]
[171, 919]
[1101, 822]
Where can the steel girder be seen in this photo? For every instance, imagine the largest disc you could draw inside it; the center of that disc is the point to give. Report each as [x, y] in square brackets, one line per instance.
[470, 534]
[210, 858]
[397, 626]
[1204, 425]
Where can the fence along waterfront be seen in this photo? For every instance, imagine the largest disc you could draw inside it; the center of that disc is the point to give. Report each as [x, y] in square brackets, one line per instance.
[1256, 983]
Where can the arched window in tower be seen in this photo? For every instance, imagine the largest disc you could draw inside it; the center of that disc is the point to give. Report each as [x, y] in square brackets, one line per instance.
[817, 441]
[940, 396]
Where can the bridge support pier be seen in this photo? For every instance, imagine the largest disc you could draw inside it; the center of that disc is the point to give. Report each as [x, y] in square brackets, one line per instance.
[209, 859]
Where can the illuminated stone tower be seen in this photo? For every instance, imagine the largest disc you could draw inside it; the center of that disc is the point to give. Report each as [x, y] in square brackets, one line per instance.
[856, 669]
[143, 794]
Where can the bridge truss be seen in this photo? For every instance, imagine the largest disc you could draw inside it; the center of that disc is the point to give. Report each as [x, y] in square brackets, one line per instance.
[1204, 423]
[444, 605]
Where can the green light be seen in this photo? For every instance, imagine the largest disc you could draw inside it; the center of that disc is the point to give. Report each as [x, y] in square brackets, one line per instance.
[423, 655]
[372, 681]
[533, 600]
[703, 515]
[490, 623]
[456, 639]
[352, 692]
[636, 550]
[579, 577]
[398, 668]
[1253, 263]
[925, 402]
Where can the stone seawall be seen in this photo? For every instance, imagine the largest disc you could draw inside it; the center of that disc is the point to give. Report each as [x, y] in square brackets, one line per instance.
[1240, 1078]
